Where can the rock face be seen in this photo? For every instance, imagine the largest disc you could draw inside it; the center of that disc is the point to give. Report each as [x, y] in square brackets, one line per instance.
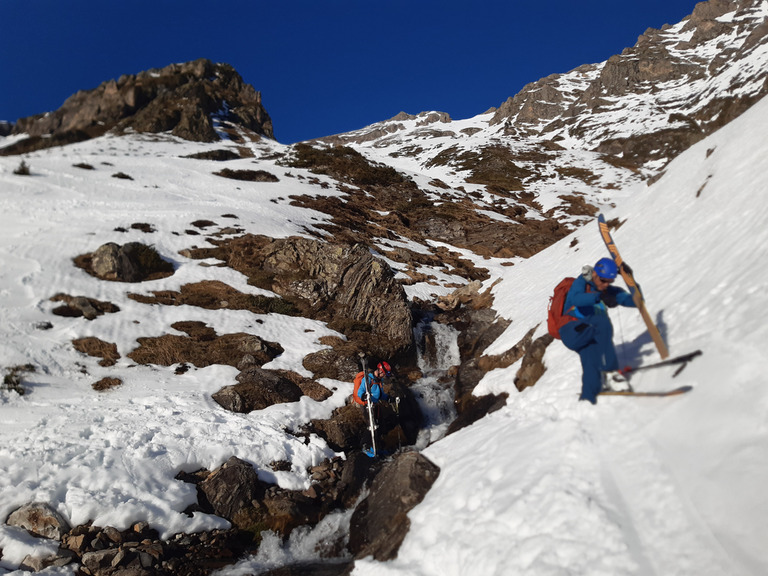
[380, 523]
[40, 519]
[343, 281]
[627, 105]
[343, 285]
[181, 98]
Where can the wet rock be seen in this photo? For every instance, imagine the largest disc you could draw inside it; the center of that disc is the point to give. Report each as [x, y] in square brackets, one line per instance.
[380, 523]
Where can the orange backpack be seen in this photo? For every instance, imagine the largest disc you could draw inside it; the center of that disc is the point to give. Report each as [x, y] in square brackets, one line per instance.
[358, 381]
[555, 317]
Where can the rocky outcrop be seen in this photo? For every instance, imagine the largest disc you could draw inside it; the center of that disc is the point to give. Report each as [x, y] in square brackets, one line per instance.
[183, 99]
[235, 492]
[343, 285]
[380, 523]
[256, 389]
[203, 346]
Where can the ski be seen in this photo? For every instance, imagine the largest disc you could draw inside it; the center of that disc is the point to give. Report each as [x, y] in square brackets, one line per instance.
[658, 394]
[630, 280]
[371, 452]
[683, 360]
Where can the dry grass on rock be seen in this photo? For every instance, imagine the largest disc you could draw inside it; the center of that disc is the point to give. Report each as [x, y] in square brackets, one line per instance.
[203, 347]
[97, 348]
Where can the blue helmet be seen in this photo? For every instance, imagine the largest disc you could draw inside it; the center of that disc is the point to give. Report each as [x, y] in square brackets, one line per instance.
[606, 268]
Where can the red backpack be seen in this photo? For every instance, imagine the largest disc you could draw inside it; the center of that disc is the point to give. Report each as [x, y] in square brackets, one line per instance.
[358, 381]
[555, 317]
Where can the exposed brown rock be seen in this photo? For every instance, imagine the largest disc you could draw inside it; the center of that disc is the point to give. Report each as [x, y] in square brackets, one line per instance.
[106, 384]
[256, 389]
[203, 347]
[343, 285]
[39, 519]
[181, 98]
[132, 262]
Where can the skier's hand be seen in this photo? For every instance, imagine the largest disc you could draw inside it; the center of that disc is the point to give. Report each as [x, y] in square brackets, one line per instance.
[609, 298]
[626, 268]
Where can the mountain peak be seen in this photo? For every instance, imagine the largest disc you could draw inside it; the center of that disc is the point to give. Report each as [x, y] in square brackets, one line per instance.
[187, 99]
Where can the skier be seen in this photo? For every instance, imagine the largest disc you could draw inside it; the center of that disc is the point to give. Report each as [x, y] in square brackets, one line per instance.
[589, 331]
[374, 383]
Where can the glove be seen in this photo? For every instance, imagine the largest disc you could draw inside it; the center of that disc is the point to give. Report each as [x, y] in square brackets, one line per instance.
[626, 268]
[609, 298]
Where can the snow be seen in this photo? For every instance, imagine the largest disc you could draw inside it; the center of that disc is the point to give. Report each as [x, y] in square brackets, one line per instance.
[548, 485]
[544, 486]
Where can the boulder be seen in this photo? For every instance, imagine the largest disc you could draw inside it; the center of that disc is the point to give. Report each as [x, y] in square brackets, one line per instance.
[336, 363]
[345, 430]
[532, 367]
[132, 262]
[256, 389]
[234, 486]
[380, 522]
[40, 519]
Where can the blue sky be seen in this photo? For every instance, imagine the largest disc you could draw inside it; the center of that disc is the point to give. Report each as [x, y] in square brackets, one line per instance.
[323, 67]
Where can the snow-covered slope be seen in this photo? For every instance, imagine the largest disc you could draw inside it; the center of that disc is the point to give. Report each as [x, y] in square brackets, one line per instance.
[638, 486]
[112, 457]
[544, 486]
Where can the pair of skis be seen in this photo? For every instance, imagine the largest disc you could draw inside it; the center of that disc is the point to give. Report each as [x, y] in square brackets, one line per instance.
[371, 452]
[681, 360]
[653, 330]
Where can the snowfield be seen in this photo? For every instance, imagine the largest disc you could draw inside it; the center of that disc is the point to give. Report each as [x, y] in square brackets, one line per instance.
[545, 486]
[638, 486]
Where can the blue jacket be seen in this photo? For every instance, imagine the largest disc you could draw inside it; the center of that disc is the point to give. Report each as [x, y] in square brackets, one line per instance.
[374, 385]
[585, 300]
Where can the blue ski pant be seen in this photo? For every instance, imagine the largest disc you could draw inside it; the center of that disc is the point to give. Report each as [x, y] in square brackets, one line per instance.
[592, 338]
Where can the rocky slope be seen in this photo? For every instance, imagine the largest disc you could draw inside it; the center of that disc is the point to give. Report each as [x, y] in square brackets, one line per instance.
[191, 100]
[409, 214]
